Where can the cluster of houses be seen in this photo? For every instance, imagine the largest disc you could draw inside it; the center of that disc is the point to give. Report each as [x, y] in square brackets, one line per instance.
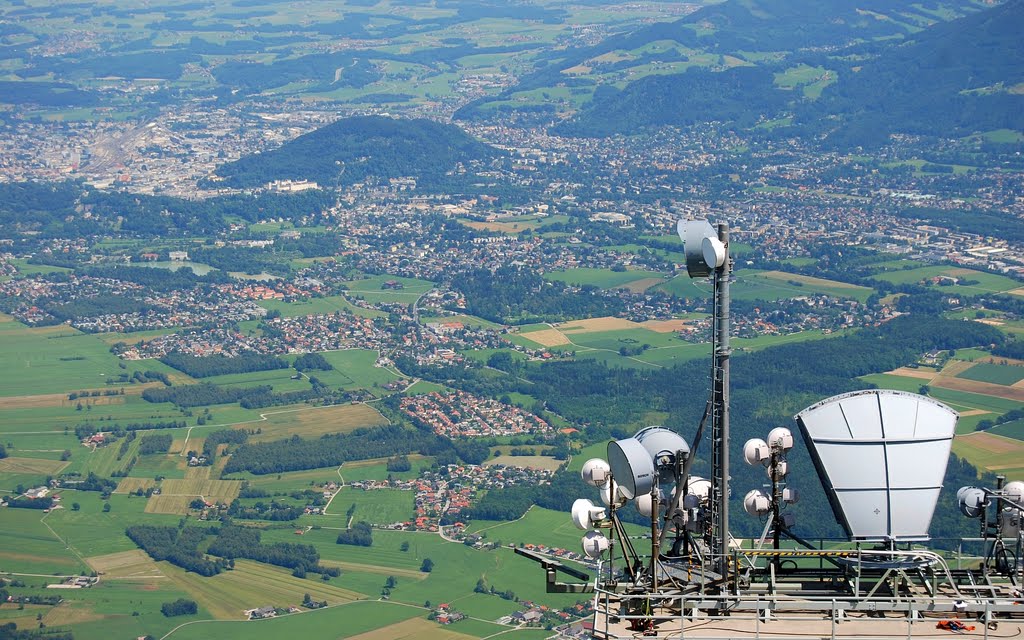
[450, 490]
[460, 414]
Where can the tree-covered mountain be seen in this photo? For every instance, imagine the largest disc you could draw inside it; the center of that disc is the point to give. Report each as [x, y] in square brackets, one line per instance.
[353, 150]
[884, 68]
[954, 78]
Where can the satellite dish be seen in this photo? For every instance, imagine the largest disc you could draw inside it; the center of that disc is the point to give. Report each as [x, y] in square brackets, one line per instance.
[606, 496]
[585, 514]
[699, 487]
[1009, 522]
[1014, 491]
[756, 503]
[778, 471]
[881, 456]
[645, 505]
[664, 446]
[595, 472]
[756, 451]
[780, 437]
[692, 233]
[632, 467]
[713, 252]
[971, 501]
[595, 544]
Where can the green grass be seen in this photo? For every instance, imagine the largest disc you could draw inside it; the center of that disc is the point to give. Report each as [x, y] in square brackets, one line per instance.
[987, 282]
[371, 289]
[381, 506]
[29, 547]
[603, 278]
[899, 383]
[354, 369]
[994, 373]
[1014, 429]
[327, 304]
[52, 360]
[340, 621]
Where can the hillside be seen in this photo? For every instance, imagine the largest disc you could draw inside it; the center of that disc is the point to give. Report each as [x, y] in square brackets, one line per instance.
[722, 36]
[955, 78]
[355, 149]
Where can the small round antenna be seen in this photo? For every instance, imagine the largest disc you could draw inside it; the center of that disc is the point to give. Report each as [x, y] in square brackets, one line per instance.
[756, 503]
[756, 452]
[971, 500]
[781, 438]
[585, 514]
[595, 544]
[595, 472]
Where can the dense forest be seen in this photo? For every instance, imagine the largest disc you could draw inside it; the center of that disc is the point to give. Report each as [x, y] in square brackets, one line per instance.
[177, 546]
[354, 149]
[517, 296]
[331, 450]
[218, 365]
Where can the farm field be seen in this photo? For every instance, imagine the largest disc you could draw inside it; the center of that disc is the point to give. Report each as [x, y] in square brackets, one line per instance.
[380, 506]
[342, 621]
[313, 422]
[355, 369]
[531, 462]
[994, 373]
[373, 289]
[31, 547]
[992, 452]
[1013, 429]
[603, 278]
[175, 495]
[376, 468]
[987, 282]
[326, 304]
[250, 585]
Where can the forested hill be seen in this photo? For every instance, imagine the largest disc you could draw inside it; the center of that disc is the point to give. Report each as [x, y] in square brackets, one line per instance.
[954, 78]
[355, 149]
[761, 33]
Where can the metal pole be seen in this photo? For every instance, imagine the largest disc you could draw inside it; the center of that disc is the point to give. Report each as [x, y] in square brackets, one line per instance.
[722, 366]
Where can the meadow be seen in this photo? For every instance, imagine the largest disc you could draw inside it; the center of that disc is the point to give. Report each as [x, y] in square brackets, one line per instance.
[603, 278]
[986, 282]
[994, 373]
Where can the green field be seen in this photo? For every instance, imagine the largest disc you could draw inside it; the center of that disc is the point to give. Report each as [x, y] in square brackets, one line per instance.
[312, 306]
[994, 373]
[380, 506]
[372, 289]
[341, 621]
[603, 278]
[986, 282]
[1014, 429]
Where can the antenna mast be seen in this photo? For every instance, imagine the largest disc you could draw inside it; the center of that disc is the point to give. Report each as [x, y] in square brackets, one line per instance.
[720, 410]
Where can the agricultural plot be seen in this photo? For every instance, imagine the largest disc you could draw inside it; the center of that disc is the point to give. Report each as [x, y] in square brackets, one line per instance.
[130, 485]
[375, 290]
[90, 531]
[986, 282]
[53, 417]
[992, 452]
[30, 547]
[31, 466]
[1014, 429]
[56, 359]
[354, 369]
[250, 585]
[377, 469]
[280, 379]
[125, 564]
[326, 304]
[342, 621]
[809, 284]
[380, 506]
[175, 495]
[415, 628]
[530, 462]
[603, 278]
[994, 374]
[313, 422]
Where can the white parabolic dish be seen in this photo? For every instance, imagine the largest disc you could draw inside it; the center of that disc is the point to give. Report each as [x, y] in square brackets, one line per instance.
[881, 456]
